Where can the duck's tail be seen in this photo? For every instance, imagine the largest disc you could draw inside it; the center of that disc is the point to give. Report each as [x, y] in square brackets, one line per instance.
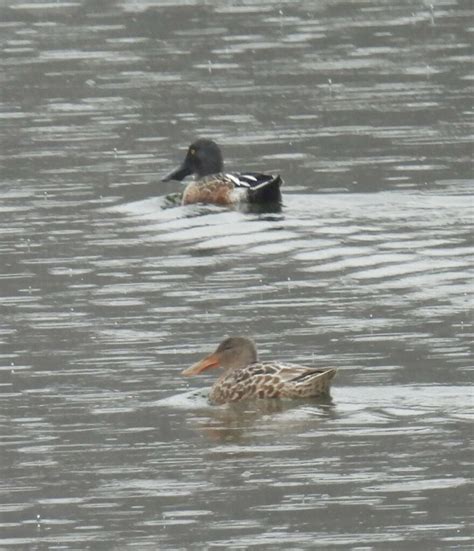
[267, 190]
[312, 383]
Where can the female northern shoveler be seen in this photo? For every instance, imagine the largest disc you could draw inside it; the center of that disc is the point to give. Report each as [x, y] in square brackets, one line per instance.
[245, 377]
[212, 185]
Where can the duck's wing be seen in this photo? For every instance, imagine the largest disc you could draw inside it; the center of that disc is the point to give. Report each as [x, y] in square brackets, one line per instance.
[306, 382]
[259, 187]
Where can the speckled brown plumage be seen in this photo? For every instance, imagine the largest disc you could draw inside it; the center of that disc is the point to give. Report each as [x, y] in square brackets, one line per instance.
[271, 380]
[247, 378]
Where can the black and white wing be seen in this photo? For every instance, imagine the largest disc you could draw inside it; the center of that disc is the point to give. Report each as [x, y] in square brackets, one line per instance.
[260, 187]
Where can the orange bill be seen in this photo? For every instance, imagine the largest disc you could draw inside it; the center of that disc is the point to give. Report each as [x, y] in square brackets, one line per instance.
[207, 363]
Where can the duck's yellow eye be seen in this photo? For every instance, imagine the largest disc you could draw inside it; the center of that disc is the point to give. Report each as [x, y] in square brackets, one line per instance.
[192, 151]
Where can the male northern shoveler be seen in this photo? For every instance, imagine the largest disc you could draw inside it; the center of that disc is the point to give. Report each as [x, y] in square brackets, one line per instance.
[245, 377]
[212, 185]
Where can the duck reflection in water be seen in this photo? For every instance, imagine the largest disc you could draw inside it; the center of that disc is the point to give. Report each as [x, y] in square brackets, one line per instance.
[245, 421]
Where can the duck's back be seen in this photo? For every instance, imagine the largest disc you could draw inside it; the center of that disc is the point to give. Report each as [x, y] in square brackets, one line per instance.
[271, 380]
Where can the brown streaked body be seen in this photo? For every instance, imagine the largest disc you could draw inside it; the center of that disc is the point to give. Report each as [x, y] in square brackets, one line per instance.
[246, 378]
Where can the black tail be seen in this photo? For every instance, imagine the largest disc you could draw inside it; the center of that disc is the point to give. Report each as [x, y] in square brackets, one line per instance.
[267, 192]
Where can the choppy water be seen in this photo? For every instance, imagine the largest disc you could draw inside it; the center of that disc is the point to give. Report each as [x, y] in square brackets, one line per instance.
[106, 295]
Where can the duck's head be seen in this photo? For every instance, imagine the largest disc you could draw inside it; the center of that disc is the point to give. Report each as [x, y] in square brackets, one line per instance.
[232, 353]
[203, 158]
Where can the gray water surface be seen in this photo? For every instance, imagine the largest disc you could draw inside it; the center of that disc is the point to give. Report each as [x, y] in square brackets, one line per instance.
[108, 290]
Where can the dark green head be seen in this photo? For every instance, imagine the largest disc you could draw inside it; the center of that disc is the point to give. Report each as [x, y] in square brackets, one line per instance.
[203, 158]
